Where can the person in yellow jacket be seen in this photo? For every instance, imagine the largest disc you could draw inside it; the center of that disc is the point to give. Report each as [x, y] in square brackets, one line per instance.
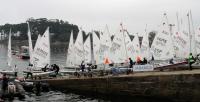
[191, 60]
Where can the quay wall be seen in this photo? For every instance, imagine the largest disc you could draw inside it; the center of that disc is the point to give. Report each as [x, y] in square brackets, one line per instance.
[176, 87]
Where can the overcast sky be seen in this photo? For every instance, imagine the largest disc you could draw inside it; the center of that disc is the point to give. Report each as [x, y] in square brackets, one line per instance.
[95, 14]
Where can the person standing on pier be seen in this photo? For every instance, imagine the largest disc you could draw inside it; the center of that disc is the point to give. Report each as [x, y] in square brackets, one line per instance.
[57, 68]
[130, 63]
[191, 60]
[82, 66]
[15, 70]
[144, 61]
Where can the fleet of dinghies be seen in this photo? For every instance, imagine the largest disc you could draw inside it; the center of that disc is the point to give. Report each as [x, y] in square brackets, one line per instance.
[166, 45]
[103, 50]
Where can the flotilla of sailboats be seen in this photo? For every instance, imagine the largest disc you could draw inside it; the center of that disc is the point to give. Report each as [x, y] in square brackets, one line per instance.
[103, 50]
[166, 45]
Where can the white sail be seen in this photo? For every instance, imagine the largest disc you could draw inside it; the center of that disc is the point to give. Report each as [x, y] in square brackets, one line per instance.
[9, 50]
[174, 37]
[42, 53]
[181, 40]
[197, 39]
[78, 49]
[105, 45]
[30, 45]
[118, 48]
[70, 52]
[87, 50]
[129, 45]
[145, 49]
[192, 34]
[162, 48]
[37, 42]
[96, 46]
[136, 48]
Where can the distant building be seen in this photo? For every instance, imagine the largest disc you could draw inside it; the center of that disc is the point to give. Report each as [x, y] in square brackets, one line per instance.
[53, 20]
[31, 20]
[17, 34]
[41, 19]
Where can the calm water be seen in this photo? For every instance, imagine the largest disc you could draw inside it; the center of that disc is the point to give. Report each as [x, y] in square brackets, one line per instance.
[57, 96]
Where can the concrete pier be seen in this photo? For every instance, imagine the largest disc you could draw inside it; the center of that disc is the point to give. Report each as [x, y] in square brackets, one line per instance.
[175, 85]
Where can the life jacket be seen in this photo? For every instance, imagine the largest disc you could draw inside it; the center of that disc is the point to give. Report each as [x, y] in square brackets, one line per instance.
[138, 59]
[191, 58]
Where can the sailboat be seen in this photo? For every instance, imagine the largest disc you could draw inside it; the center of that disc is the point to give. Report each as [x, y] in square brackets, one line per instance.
[184, 38]
[41, 55]
[70, 68]
[70, 52]
[105, 45]
[87, 51]
[118, 49]
[181, 40]
[145, 49]
[79, 49]
[136, 47]
[76, 53]
[161, 47]
[96, 49]
[9, 57]
[167, 53]
[143, 52]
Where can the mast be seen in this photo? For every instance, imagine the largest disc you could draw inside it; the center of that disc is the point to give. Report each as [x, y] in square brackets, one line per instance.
[189, 32]
[193, 35]
[178, 23]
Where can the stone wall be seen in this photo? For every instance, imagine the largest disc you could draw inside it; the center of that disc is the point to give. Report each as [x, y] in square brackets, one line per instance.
[179, 87]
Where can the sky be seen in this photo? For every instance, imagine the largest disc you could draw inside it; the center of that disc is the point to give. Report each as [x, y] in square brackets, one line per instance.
[96, 14]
